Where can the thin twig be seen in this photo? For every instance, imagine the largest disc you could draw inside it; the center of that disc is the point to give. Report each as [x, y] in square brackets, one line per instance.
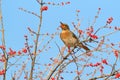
[113, 69]
[33, 13]
[59, 50]
[54, 69]
[36, 44]
[3, 41]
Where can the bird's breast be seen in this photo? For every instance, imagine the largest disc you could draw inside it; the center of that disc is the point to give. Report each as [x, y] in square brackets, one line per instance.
[65, 34]
[67, 38]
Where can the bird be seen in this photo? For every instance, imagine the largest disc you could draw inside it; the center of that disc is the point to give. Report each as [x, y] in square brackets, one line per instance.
[70, 39]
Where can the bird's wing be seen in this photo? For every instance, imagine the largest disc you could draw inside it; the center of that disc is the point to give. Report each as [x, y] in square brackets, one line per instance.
[74, 35]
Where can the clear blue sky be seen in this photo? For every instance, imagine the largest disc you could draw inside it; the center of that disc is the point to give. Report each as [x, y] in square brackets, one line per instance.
[16, 21]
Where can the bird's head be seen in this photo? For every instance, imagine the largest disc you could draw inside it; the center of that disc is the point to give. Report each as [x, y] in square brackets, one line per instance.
[64, 26]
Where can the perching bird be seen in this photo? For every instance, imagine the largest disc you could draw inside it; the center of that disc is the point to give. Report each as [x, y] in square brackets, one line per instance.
[69, 38]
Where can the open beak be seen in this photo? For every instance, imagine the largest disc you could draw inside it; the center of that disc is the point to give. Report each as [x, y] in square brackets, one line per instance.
[61, 23]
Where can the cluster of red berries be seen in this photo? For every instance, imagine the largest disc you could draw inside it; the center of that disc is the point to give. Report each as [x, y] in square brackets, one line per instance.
[116, 53]
[117, 75]
[44, 8]
[2, 47]
[2, 72]
[90, 30]
[93, 36]
[104, 61]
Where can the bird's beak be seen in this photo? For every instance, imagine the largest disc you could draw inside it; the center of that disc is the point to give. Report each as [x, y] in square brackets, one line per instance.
[61, 23]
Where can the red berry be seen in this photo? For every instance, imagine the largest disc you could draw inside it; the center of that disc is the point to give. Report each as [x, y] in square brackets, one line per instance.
[44, 8]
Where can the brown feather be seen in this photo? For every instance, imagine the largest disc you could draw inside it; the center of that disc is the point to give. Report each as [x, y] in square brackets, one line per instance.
[70, 39]
[84, 47]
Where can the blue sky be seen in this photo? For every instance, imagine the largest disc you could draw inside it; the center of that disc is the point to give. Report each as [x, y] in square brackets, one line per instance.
[16, 21]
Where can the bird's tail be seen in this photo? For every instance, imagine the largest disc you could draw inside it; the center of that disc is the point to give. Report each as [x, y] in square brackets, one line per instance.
[84, 47]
